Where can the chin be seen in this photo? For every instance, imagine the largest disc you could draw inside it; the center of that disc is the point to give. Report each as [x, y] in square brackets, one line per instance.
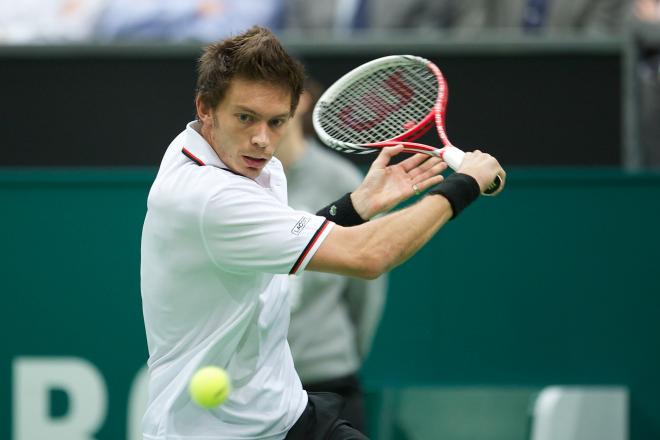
[252, 173]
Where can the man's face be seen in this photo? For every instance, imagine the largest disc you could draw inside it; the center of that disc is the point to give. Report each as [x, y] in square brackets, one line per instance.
[246, 126]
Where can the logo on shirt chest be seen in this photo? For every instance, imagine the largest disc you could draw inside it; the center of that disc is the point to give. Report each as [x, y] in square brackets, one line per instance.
[297, 229]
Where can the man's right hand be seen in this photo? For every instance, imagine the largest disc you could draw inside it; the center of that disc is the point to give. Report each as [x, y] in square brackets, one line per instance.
[484, 168]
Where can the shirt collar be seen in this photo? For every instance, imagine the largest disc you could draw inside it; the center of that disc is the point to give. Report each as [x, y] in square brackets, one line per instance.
[199, 151]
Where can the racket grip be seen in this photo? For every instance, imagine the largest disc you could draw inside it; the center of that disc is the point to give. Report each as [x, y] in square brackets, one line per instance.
[454, 158]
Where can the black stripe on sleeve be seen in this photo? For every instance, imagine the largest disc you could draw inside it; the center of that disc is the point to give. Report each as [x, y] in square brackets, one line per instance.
[309, 246]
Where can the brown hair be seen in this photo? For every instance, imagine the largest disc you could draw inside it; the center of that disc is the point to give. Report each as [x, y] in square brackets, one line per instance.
[255, 55]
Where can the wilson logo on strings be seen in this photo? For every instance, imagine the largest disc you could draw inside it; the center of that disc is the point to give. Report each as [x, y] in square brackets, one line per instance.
[396, 86]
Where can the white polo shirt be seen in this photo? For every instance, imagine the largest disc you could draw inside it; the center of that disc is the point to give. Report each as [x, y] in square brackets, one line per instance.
[217, 249]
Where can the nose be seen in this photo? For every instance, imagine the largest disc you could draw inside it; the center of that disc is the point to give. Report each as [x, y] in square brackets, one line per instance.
[260, 137]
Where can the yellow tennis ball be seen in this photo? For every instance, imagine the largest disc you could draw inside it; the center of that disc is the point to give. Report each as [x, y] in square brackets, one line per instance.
[209, 387]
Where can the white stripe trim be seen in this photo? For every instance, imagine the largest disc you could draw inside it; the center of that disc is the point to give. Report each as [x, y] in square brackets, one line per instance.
[310, 253]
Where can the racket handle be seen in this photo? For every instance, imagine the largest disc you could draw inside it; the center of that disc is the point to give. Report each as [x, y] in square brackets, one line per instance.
[454, 158]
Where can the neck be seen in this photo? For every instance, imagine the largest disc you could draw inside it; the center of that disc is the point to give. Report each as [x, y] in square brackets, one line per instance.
[205, 131]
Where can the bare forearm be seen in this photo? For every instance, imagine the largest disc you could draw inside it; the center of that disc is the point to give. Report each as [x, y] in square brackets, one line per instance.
[396, 237]
[375, 247]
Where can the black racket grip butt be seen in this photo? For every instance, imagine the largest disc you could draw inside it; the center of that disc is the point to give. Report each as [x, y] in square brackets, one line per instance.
[493, 187]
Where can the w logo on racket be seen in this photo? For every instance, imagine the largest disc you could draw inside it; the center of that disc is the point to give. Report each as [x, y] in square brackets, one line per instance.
[394, 94]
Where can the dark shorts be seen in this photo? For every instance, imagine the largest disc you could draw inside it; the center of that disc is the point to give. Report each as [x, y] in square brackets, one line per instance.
[320, 420]
[349, 388]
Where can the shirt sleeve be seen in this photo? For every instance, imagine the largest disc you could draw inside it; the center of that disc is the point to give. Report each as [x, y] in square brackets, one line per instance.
[246, 229]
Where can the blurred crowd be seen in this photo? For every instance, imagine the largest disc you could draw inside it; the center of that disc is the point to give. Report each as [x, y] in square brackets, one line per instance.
[63, 21]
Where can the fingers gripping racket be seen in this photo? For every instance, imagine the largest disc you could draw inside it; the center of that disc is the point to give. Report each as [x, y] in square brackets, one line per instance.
[386, 102]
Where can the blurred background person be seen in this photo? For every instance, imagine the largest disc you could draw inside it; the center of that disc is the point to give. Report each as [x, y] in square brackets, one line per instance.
[76, 21]
[48, 21]
[346, 16]
[474, 16]
[185, 20]
[648, 94]
[333, 318]
[648, 10]
[543, 16]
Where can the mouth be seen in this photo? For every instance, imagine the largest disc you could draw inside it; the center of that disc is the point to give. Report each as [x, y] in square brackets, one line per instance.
[254, 162]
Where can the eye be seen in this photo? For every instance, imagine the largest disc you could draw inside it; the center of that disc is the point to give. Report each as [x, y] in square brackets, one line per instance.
[244, 117]
[277, 122]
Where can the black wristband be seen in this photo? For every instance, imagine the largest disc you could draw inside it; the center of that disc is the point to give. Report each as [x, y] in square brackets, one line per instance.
[342, 212]
[460, 189]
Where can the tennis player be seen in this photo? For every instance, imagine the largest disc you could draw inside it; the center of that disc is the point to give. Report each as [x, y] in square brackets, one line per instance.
[219, 241]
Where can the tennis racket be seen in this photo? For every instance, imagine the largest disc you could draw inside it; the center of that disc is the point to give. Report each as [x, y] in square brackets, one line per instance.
[389, 101]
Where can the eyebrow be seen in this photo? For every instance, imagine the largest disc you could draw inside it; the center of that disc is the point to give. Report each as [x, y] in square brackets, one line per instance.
[249, 110]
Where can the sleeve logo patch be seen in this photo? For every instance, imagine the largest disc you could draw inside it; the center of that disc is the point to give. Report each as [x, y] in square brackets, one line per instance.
[298, 228]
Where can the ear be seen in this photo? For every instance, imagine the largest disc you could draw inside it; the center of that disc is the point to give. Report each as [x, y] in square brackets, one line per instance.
[204, 112]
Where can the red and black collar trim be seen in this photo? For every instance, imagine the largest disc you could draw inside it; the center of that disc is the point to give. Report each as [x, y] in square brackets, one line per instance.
[201, 163]
[192, 157]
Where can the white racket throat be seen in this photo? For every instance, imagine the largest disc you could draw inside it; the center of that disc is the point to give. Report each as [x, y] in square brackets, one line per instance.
[453, 156]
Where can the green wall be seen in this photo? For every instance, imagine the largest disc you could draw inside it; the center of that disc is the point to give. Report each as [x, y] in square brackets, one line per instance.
[554, 282]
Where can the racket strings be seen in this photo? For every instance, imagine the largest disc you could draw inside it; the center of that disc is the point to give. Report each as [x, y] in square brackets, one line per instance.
[381, 105]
